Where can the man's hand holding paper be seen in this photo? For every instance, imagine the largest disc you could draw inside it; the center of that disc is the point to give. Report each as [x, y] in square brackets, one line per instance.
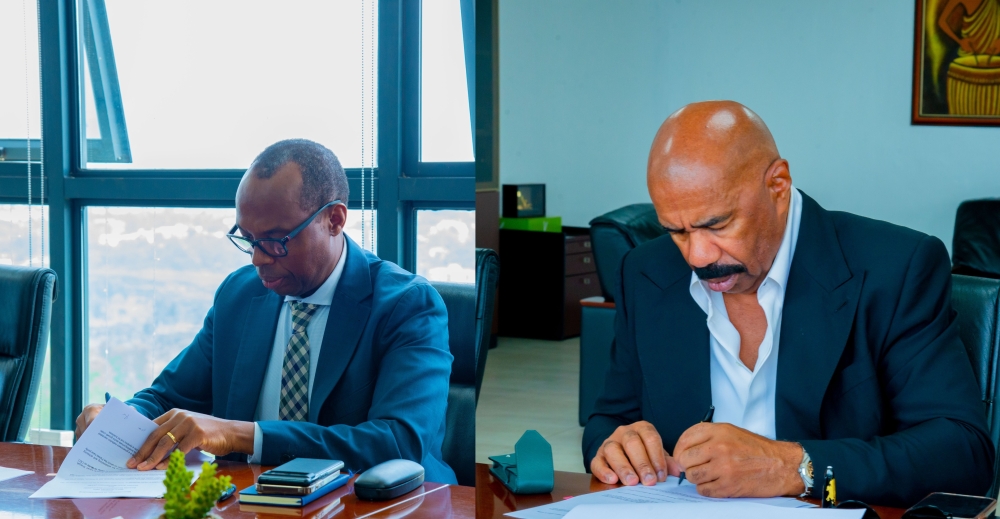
[188, 431]
[86, 418]
[97, 464]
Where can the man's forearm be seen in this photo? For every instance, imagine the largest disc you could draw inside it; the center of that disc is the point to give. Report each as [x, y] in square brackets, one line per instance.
[790, 456]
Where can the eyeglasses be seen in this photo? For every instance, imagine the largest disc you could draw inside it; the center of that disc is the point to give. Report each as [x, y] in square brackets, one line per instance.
[274, 247]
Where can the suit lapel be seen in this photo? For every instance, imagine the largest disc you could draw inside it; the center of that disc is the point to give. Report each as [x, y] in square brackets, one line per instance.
[349, 314]
[673, 347]
[253, 356]
[820, 303]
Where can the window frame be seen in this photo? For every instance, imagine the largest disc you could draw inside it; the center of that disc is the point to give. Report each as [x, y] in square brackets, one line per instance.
[402, 183]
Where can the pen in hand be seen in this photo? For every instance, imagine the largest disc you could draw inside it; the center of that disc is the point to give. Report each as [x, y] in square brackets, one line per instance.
[706, 419]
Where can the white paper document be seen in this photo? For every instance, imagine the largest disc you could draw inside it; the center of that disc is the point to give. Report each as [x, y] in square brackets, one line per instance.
[6, 473]
[723, 510]
[95, 467]
[667, 492]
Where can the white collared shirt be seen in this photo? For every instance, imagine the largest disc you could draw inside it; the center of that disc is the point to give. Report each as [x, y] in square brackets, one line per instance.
[269, 399]
[743, 397]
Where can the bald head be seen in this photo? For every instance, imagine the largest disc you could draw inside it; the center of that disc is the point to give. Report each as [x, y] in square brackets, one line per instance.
[721, 190]
[720, 136]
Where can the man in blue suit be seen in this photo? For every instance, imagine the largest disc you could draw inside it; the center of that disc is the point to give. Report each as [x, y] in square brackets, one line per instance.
[319, 349]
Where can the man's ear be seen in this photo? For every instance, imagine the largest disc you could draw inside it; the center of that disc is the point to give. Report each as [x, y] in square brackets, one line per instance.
[779, 178]
[337, 219]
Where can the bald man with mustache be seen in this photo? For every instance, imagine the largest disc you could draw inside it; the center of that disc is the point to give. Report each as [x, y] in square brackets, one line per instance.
[821, 338]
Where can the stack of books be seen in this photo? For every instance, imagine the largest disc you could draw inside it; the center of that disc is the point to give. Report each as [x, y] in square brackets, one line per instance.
[296, 485]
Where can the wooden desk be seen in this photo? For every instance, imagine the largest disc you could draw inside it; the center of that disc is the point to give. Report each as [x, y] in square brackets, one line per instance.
[433, 500]
[493, 499]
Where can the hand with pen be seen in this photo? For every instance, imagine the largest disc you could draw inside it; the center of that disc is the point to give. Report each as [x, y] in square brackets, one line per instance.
[722, 459]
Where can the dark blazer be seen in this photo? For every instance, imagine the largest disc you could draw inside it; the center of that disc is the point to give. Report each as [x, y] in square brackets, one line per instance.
[381, 385]
[872, 377]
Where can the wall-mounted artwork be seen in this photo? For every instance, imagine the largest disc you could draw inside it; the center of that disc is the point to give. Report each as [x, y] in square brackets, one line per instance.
[956, 65]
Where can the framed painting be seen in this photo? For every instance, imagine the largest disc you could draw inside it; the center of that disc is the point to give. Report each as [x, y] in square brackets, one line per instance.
[956, 62]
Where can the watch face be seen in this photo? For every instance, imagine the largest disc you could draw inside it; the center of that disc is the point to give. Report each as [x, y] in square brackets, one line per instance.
[809, 469]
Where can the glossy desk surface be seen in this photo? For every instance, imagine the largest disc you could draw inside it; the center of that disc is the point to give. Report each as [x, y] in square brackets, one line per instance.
[433, 500]
[493, 499]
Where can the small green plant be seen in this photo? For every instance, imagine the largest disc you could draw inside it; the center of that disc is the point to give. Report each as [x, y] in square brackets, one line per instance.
[184, 502]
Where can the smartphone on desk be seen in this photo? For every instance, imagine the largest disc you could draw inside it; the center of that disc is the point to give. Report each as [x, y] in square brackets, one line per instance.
[300, 472]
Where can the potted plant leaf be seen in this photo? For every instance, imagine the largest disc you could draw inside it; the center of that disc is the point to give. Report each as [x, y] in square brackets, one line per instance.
[184, 501]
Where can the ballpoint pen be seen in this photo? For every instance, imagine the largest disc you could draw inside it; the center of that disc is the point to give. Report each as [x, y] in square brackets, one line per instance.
[107, 397]
[706, 419]
[227, 494]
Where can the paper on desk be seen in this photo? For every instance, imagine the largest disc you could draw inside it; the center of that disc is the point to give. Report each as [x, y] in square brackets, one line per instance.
[6, 473]
[667, 492]
[95, 467]
[709, 510]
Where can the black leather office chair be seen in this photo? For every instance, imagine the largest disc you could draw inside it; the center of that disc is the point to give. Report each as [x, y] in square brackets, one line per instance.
[26, 296]
[975, 245]
[612, 236]
[977, 301]
[469, 319]
[615, 233]
[487, 277]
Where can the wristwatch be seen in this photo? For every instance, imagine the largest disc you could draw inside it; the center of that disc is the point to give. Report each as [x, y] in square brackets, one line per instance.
[806, 473]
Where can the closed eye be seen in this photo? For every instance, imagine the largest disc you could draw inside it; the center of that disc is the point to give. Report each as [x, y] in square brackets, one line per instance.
[672, 231]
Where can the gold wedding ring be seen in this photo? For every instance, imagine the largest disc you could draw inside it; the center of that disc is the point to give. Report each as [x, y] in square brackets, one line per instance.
[172, 437]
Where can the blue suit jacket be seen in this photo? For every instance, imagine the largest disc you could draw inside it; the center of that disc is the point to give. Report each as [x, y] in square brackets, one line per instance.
[872, 376]
[381, 384]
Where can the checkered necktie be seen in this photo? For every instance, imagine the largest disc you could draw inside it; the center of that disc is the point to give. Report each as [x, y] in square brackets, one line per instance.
[295, 371]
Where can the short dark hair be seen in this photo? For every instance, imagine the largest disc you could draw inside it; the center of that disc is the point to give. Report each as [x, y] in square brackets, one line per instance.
[323, 178]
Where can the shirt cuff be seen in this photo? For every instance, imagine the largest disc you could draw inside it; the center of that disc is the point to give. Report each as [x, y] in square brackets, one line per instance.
[258, 441]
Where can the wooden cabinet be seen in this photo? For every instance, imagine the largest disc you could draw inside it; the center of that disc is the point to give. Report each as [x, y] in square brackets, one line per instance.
[543, 277]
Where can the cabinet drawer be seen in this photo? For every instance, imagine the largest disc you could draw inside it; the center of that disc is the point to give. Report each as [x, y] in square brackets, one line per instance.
[580, 264]
[578, 244]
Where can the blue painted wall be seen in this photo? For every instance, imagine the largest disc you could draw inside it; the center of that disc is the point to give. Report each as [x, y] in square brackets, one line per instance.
[584, 84]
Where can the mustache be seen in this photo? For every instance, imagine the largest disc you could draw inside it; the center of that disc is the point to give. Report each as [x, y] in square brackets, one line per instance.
[715, 271]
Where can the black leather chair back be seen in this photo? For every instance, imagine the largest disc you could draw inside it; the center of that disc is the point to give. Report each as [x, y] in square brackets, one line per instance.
[26, 296]
[468, 314]
[487, 277]
[615, 233]
[459, 445]
[977, 301]
[975, 245]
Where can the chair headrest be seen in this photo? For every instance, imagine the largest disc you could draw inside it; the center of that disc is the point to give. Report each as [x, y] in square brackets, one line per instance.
[21, 289]
[637, 222]
[976, 242]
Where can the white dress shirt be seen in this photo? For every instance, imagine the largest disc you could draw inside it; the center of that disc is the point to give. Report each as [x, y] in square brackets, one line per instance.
[270, 391]
[743, 397]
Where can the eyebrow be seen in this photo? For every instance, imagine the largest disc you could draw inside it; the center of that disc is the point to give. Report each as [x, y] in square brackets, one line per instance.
[715, 220]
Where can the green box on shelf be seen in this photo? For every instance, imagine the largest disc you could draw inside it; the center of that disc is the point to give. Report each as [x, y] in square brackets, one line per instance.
[540, 224]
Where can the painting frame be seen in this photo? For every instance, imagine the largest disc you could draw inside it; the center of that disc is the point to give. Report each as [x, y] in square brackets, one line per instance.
[920, 115]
